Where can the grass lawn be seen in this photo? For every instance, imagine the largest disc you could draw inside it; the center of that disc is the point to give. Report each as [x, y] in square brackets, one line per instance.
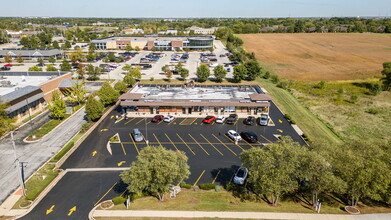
[305, 119]
[67, 147]
[45, 129]
[37, 183]
[219, 201]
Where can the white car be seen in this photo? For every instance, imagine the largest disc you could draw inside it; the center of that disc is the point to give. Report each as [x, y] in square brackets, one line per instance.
[213, 64]
[234, 135]
[220, 119]
[168, 118]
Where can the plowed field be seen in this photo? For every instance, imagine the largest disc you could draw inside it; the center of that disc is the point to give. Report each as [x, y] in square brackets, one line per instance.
[314, 57]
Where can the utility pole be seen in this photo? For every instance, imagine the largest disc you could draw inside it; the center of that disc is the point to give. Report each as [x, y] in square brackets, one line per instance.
[17, 164]
[146, 131]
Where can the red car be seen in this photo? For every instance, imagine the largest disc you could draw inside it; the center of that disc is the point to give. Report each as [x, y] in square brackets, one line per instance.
[8, 65]
[209, 119]
[157, 118]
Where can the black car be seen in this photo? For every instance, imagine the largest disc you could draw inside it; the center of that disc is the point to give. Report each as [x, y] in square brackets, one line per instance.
[232, 119]
[5, 68]
[249, 136]
[250, 120]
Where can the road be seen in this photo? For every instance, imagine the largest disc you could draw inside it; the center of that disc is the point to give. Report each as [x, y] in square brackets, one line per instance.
[33, 155]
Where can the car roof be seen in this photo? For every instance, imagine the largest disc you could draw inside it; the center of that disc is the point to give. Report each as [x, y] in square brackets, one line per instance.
[250, 133]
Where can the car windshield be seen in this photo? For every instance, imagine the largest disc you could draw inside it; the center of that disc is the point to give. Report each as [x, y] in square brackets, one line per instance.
[240, 173]
[207, 118]
[264, 117]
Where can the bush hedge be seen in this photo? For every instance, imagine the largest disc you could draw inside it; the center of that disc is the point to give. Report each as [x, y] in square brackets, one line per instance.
[119, 200]
[63, 151]
[207, 186]
[186, 186]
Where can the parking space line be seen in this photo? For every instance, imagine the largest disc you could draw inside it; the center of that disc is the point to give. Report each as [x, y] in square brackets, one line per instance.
[199, 178]
[199, 145]
[145, 140]
[231, 178]
[185, 143]
[225, 145]
[171, 141]
[172, 121]
[134, 144]
[140, 121]
[157, 139]
[233, 142]
[214, 180]
[160, 122]
[265, 138]
[149, 122]
[212, 145]
[180, 123]
[129, 121]
[106, 193]
[193, 121]
[248, 143]
[123, 149]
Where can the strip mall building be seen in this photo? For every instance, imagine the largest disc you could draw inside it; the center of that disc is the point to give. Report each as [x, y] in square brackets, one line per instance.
[193, 100]
[164, 42]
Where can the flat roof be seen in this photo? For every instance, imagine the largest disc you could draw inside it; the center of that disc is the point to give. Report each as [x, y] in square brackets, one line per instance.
[151, 38]
[181, 92]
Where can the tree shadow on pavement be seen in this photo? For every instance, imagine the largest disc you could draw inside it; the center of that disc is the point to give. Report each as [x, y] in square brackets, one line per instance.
[225, 175]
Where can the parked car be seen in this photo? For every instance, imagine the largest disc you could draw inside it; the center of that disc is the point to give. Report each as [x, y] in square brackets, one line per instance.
[234, 135]
[213, 60]
[249, 136]
[222, 55]
[263, 120]
[40, 64]
[8, 65]
[250, 120]
[5, 68]
[157, 118]
[213, 64]
[228, 69]
[137, 136]
[220, 119]
[240, 176]
[168, 118]
[232, 119]
[209, 119]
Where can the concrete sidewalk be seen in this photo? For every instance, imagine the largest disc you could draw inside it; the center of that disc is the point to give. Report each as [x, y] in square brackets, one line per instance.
[236, 215]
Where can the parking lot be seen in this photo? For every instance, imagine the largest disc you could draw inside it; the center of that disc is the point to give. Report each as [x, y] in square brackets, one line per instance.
[213, 156]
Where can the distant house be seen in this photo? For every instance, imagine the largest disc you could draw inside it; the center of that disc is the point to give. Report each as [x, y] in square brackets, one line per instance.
[101, 24]
[168, 32]
[203, 31]
[132, 31]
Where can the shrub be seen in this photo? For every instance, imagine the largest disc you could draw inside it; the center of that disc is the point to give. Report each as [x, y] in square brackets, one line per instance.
[207, 186]
[288, 117]
[63, 151]
[186, 186]
[305, 137]
[85, 126]
[320, 85]
[293, 122]
[266, 75]
[372, 111]
[114, 139]
[275, 79]
[283, 84]
[353, 99]
[151, 79]
[230, 187]
[119, 200]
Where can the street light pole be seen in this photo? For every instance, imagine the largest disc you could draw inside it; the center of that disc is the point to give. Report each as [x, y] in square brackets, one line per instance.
[17, 164]
[146, 131]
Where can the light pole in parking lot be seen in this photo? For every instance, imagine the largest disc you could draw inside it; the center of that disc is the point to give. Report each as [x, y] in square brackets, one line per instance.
[146, 131]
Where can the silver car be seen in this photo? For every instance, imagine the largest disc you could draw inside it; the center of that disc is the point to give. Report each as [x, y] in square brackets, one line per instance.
[264, 119]
[137, 136]
[240, 175]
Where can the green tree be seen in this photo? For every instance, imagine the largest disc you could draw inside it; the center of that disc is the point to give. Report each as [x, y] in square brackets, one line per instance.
[375, 89]
[111, 56]
[155, 169]
[56, 45]
[52, 59]
[365, 167]
[129, 80]
[93, 72]
[273, 169]
[57, 106]
[386, 80]
[184, 73]
[94, 109]
[253, 69]
[107, 94]
[137, 48]
[65, 65]
[81, 71]
[135, 73]
[240, 72]
[40, 60]
[35, 68]
[67, 45]
[120, 86]
[20, 59]
[77, 93]
[50, 67]
[203, 73]
[128, 48]
[219, 73]
[6, 123]
[7, 58]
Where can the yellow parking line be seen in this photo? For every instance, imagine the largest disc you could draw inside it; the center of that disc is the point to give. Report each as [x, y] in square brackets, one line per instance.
[233, 142]
[224, 145]
[149, 122]
[199, 145]
[160, 122]
[172, 121]
[212, 145]
[129, 121]
[193, 121]
[216, 177]
[134, 143]
[265, 138]
[157, 139]
[185, 144]
[105, 194]
[180, 123]
[123, 192]
[123, 149]
[199, 178]
[140, 121]
[231, 178]
[144, 138]
[248, 143]
[171, 142]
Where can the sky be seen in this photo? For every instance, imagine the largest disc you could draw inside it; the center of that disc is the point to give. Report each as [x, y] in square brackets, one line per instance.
[195, 8]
